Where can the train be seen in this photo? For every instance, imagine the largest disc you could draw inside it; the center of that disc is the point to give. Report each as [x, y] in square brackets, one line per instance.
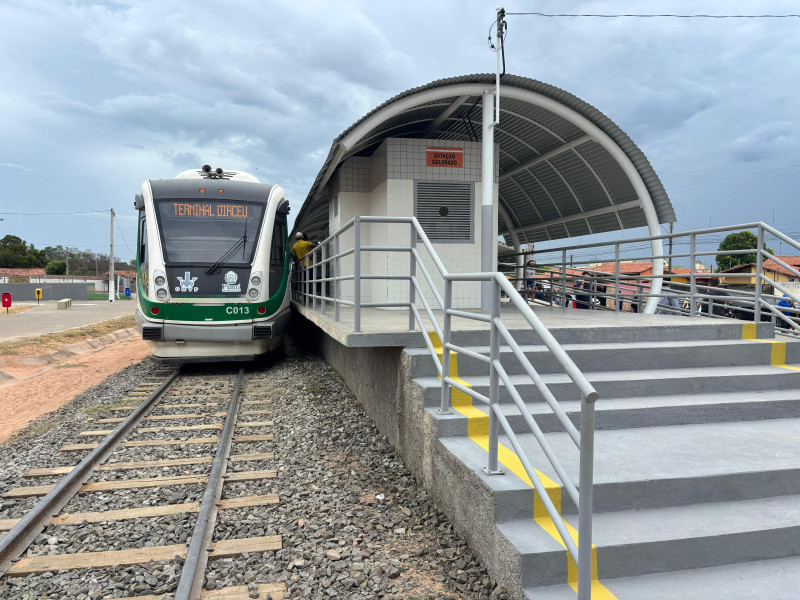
[212, 266]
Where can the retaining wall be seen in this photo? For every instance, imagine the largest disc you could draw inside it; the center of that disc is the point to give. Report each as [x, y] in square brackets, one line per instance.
[25, 292]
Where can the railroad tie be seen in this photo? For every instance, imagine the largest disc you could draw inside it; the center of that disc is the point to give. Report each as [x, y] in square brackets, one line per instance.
[148, 511]
[139, 483]
[150, 464]
[137, 556]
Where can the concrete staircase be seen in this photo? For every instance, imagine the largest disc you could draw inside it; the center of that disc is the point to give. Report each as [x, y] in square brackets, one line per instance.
[697, 462]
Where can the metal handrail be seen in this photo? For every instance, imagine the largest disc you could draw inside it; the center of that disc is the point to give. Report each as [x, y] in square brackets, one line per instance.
[312, 282]
[696, 293]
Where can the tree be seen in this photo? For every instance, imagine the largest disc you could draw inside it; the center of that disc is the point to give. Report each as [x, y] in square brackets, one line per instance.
[17, 253]
[743, 240]
[56, 267]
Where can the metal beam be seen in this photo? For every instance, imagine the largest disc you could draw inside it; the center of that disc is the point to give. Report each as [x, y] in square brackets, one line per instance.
[546, 156]
[445, 113]
[578, 216]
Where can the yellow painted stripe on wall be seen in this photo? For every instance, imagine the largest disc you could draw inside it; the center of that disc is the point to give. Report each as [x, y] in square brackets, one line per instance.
[478, 433]
[778, 352]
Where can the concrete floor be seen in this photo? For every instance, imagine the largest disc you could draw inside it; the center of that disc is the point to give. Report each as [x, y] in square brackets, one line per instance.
[382, 327]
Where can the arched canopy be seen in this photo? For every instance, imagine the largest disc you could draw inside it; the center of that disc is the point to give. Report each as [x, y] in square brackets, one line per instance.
[565, 169]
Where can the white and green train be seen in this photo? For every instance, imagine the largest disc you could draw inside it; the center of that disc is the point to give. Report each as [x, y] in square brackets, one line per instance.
[212, 266]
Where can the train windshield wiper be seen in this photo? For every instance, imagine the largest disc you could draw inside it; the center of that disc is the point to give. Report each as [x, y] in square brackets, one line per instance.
[240, 243]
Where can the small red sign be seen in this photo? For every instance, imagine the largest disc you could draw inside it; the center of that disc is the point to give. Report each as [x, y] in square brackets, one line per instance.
[6, 299]
[444, 157]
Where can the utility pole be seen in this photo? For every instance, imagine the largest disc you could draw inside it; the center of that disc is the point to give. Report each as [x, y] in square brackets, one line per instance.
[66, 250]
[111, 262]
[669, 264]
[491, 117]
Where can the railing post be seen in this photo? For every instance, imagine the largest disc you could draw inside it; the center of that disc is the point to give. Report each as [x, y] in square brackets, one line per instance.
[337, 288]
[412, 272]
[305, 281]
[357, 275]
[585, 488]
[617, 304]
[563, 279]
[759, 269]
[692, 279]
[494, 383]
[313, 275]
[444, 405]
[525, 259]
[323, 267]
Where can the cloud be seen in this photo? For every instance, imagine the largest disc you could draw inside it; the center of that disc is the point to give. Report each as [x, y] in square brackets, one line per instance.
[22, 168]
[105, 94]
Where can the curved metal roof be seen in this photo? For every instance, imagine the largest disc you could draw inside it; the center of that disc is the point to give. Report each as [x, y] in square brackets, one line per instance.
[565, 169]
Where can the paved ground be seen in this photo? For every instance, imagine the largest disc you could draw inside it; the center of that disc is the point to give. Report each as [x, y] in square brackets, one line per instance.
[45, 318]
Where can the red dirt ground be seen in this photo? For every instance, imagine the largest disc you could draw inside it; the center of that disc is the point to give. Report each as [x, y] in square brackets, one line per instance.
[36, 390]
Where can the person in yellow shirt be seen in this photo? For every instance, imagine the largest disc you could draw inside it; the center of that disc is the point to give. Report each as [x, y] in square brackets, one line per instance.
[302, 246]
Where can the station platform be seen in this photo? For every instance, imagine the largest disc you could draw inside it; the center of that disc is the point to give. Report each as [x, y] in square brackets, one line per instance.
[389, 328]
[46, 318]
[691, 415]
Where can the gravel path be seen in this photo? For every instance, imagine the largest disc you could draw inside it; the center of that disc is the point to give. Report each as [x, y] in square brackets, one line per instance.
[353, 522]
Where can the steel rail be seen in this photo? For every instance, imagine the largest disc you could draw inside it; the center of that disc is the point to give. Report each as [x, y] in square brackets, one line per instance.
[193, 572]
[23, 533]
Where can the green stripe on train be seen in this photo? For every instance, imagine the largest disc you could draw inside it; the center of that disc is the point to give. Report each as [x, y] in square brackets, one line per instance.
[228, 311]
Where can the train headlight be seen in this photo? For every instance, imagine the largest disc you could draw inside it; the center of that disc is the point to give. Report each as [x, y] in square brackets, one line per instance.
[162, 294]
[255, 280]
[253, 293]
[160, 280]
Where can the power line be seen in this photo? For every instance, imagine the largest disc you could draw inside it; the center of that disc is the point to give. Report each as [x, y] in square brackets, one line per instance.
[119, 228]
[736, 162]
[79, 212]
[653, 16]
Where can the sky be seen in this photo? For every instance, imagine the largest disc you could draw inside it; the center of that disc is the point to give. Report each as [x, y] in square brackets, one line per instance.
[98, 97]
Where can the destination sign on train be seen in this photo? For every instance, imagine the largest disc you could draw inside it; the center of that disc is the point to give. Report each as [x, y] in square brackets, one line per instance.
[209, 209]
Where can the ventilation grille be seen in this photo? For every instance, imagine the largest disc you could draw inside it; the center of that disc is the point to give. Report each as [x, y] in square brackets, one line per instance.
[262, 332]
[444, 209]
[151, 333]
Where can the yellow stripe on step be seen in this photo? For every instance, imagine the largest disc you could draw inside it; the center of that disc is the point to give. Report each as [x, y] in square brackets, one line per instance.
[777, 356]
[478, 433]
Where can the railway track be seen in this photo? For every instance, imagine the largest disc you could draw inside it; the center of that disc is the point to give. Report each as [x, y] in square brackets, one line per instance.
[149, 489]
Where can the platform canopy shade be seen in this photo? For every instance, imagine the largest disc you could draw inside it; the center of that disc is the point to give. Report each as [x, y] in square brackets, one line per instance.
[565, 168]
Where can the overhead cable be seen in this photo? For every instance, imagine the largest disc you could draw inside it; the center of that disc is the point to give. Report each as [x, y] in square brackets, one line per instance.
[652, 16]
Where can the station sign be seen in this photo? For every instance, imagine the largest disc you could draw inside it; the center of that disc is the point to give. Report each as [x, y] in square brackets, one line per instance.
[444, 157]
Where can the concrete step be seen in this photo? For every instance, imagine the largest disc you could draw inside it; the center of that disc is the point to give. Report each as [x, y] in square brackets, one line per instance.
[618, 356]
[776, 579]
[607, 330]
[656, 466]
[639, 542]
[649, 411]
[626, 384]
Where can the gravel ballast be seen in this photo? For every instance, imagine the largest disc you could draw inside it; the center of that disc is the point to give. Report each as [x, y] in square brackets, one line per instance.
[353, 522]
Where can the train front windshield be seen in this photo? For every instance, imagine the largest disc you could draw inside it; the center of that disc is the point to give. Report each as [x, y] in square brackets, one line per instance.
[200, 232]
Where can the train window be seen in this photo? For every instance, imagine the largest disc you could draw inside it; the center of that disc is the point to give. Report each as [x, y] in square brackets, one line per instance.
[143, 241]
[277, 255]
[198, 232]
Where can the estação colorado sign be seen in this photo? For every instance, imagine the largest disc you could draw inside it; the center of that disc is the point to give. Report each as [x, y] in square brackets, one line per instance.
[444, 157]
